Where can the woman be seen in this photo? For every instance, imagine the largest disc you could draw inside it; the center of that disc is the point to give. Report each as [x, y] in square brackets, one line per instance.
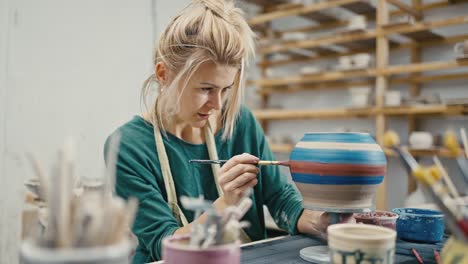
[199, 69]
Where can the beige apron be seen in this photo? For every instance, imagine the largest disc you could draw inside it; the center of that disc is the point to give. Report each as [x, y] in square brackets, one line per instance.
[167, 175]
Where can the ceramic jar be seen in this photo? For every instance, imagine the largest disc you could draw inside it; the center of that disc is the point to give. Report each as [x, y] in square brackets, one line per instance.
[338, 172]
[176, 249]
[421, 225]
[361, 243]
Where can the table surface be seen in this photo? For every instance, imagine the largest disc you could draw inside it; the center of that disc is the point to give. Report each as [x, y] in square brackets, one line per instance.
[286, 249]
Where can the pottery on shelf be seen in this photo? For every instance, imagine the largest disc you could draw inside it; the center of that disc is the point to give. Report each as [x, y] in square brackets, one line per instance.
[176, 249]
[378, 218]
[361, 243]
[338, 172]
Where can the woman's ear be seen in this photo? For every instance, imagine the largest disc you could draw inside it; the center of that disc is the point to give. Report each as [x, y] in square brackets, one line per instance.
[161, 73]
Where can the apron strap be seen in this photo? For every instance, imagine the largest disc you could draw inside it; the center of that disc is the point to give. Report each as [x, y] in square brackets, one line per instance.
[167, 175]
[169, 181]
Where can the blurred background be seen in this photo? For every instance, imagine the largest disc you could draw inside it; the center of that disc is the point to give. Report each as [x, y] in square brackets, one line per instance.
[74, 69]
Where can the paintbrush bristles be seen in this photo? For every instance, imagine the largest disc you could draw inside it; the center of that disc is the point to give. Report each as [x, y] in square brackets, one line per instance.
[391, 139]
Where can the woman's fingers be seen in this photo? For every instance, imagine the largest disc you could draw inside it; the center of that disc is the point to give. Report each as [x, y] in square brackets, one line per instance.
[244, 158]
[239, 192]
[240, 181]
[237, 175]
[236, 171]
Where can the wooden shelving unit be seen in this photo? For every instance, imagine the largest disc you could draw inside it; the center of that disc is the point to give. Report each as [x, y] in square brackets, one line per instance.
[419, 34]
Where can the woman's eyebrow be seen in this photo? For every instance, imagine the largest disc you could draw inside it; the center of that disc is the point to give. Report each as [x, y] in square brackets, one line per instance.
[216, 86]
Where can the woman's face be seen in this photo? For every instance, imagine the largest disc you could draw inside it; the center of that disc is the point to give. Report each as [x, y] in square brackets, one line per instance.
[204, 94]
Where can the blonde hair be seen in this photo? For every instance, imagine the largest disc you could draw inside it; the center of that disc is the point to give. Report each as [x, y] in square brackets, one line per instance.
[205, 30]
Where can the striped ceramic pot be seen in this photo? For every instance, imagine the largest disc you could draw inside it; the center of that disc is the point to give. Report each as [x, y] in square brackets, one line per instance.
[338, 172]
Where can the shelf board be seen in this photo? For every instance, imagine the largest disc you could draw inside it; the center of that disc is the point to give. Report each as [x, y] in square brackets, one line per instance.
[371, 72]
[347, 84]
[296, 114]
[363, 7]
[424, 35]
[425, 25]
[321, 42]
[441, 152]
[424, 110]
[331, 55]
[291, 114]
[302, 10]
[408, 29]
[407, 8]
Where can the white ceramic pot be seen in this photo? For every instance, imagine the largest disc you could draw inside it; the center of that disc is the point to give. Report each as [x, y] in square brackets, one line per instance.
[359, 96]
[461, 48]
[362, 60]
[361, 243]
[393, 98]
[357, 23]
[421, 140]
[345, 62]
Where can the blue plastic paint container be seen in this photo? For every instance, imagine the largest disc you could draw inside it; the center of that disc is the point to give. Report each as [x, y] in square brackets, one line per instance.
[421, 225]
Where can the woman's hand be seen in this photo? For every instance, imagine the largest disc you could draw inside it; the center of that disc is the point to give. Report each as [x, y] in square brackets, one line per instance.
[316, 222]
[236, 176]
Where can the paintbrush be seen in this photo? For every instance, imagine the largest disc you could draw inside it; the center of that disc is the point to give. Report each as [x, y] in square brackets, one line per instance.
[260, 162]
[451, 142]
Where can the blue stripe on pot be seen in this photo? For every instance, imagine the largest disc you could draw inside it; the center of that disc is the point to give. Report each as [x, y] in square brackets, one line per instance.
[339, 156]
[336, 180]
[339, 137]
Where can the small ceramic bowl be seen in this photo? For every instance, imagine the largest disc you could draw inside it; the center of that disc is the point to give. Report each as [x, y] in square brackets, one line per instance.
[378, 218]
[361, 243]
[176, 249]
[420, 225]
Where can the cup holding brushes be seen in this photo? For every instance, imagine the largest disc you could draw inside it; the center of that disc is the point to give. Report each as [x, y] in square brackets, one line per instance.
[92, 227]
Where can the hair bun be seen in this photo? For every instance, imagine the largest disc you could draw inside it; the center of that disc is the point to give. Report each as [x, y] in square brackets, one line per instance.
[218, 7]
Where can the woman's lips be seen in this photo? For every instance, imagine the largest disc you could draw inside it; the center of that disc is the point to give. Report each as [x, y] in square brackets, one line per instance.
[204, 116]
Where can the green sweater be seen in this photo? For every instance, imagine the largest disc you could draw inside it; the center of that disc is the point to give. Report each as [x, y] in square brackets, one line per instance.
[139, 175]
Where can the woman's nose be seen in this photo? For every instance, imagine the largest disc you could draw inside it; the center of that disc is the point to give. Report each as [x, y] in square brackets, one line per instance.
[216, 100]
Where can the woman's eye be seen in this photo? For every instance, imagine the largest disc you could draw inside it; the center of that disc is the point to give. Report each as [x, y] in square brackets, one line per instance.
[206, 89]
[225, 89]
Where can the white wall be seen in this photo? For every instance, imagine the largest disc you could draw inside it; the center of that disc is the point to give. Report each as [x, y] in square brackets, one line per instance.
[67, 69]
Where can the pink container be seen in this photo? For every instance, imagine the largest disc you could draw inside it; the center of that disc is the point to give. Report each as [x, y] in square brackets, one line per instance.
[176, 250]
[378, 218]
